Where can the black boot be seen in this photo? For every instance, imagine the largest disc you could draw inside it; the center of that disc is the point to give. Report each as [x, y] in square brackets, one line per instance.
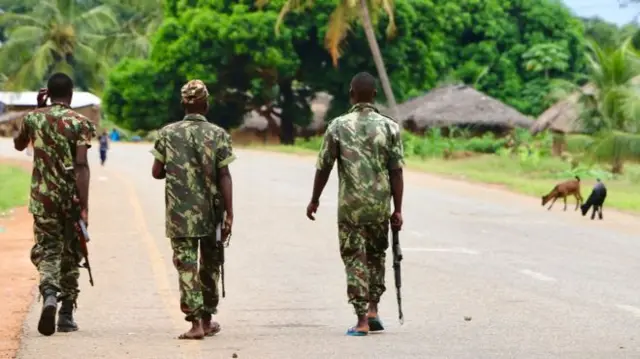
[65, 317]
[47, 323]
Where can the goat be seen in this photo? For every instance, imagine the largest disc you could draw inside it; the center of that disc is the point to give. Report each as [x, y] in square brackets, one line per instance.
[564, 189]
[596, 199]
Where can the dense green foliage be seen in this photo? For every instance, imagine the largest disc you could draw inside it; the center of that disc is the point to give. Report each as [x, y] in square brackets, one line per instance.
[497, 45]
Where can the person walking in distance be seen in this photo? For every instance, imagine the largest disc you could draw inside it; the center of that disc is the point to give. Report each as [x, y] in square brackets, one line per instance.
[368, 148]
[61, 138]
[104, 146]
[193, 156]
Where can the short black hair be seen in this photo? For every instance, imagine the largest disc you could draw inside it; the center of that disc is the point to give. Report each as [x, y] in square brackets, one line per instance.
[363, 85]
[60, 86]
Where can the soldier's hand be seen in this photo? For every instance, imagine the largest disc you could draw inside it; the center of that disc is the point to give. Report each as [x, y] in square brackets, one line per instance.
[226, 227]
[84, 215]
[396, 221]
[312, 208]
[43, 96]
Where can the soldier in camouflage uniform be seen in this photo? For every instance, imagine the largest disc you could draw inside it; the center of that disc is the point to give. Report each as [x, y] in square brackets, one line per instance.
[193, 156]
[60, 138]
[368, 148]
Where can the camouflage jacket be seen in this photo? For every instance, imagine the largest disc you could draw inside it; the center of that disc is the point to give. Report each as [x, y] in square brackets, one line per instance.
[55, 132]
[192, 151]
[367, 145]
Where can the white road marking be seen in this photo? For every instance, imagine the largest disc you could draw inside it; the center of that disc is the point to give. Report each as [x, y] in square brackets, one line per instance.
[416, 234]
[447, 250]
[102, 178]
[538, 276]
[631, 309]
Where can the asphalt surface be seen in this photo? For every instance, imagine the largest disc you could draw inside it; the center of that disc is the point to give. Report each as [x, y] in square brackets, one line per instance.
[532, 283]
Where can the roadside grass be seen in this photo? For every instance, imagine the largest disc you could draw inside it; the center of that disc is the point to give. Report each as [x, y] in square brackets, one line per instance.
[15, 187]
[535, 179]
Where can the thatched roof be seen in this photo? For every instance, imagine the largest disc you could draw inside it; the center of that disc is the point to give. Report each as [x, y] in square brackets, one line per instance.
[457, 105]
[319, 107]
[564, 116]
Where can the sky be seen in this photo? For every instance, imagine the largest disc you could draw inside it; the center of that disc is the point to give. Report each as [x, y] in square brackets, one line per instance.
[606, 9]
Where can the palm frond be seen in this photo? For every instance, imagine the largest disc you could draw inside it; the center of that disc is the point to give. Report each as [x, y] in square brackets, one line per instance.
[26, 33]
[33, 71]
[99, 19]
[9, 20]
[337, 30]
[387, 6]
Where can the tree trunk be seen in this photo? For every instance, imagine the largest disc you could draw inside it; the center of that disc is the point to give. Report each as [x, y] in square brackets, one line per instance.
[287, 130]
[618, 166]
[377, 58]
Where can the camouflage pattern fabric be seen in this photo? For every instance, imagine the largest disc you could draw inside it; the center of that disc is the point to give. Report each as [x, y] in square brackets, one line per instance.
[367, 145]
[192, 151]
[55, 132]
[57, 255]
[199, 294]
[194, 91]
[363, 251]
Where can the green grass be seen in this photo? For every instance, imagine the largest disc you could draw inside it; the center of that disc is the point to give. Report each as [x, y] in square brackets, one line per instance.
[15, 187]
[533, 179]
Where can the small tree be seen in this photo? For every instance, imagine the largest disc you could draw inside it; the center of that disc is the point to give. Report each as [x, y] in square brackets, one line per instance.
[546, 58]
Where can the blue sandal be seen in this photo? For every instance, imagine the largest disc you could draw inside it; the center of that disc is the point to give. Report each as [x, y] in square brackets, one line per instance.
[375, 324]
[353, 332]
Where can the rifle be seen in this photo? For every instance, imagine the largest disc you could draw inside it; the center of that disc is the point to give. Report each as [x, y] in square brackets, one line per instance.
[220, 243]
[397, 258]
[83, 237]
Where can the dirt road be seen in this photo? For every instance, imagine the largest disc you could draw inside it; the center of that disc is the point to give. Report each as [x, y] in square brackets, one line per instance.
[536, 284]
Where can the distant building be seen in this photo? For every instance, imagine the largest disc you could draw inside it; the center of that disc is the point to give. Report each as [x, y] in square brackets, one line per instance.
[14, 105]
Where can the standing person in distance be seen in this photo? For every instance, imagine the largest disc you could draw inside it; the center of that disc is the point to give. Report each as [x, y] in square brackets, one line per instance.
[193, 156]
[61, 138]
[104, 146]
[368, 148]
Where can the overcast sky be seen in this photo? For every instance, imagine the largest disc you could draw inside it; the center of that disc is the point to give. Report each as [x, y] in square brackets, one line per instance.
[606, 9]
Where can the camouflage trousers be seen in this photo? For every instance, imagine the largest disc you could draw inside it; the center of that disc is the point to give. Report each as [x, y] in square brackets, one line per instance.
[56, 254]
[199, 294]
[363, 251]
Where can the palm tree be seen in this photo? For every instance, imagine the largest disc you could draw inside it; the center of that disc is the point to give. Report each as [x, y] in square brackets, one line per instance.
[139, 20]
[57, 36]
[344, 15]
[610, 109]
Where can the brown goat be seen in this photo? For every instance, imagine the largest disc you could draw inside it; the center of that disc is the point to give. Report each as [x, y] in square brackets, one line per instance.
[564, 189]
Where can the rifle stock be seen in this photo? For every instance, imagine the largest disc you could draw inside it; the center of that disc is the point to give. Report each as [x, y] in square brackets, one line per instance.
[397, 258]
[83, 237]
[220, 244]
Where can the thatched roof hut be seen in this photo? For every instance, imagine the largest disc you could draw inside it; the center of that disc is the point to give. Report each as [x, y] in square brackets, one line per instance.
[564, 116]
[460, 105]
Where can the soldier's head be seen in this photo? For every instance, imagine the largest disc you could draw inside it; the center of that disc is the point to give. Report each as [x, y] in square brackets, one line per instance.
[60, 88]
[363, 88]
[195, 97]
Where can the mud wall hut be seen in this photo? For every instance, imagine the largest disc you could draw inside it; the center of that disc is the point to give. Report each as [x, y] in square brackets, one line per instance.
[15, 105]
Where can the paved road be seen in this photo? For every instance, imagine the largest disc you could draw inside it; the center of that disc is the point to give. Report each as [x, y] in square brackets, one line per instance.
[536, 284]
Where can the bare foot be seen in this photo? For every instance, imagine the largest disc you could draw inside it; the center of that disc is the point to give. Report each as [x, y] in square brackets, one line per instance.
[210, 327]
[195, 333]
